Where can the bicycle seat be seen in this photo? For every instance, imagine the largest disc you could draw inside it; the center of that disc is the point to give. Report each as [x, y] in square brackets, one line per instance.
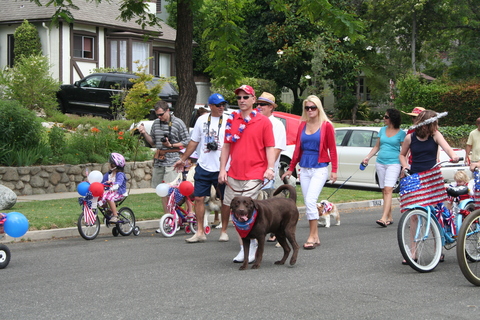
[457, 191]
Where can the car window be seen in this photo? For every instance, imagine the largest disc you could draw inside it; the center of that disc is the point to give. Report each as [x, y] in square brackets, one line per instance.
[360, 138]
[284, 121]
[91, 82]
[374, 139]
[339, 136]
[114, 82]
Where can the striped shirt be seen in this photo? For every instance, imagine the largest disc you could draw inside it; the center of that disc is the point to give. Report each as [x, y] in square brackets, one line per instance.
[179, 133]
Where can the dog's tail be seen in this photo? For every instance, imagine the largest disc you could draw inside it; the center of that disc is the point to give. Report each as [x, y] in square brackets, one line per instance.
[291, 190]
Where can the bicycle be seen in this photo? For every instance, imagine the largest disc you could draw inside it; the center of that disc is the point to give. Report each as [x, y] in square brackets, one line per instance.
[424, 230]
[4, 251]
[468, 248]
[89, 226]
[177, 217]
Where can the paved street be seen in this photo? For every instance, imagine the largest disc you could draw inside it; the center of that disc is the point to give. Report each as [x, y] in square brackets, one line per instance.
[355, 274]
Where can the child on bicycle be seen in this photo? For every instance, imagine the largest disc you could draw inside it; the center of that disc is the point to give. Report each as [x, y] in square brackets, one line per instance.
[461, 179]
[117, 181]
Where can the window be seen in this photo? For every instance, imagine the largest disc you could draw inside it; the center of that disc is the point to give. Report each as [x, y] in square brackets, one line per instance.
[140, 54]
[10, 46]
[339, 136]
[114, 82]
[91, 82]
[159, 6]
[118, 53]
[83, 47]
[164, 61]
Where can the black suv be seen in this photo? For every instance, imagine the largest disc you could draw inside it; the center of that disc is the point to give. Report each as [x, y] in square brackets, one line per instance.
[93, 94]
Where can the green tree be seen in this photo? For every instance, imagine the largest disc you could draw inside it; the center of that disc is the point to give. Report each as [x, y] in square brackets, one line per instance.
[27, 41]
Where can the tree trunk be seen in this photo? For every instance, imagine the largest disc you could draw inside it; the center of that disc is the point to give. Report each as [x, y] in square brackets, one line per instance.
[184, 61]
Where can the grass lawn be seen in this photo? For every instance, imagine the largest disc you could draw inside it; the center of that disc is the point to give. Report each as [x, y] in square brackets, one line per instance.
[64, 213]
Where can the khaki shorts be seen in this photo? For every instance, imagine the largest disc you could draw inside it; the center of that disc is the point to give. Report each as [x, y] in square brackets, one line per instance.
[163, 175]
[241, 185]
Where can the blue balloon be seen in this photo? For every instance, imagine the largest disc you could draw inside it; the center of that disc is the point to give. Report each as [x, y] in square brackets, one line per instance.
[16, 224]
[82, 188]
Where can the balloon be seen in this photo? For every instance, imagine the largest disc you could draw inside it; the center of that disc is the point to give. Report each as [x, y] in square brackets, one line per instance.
[82, 188]
[16, 224]
[96, 189]
[162, 189]
[186, 188]
[95, 176]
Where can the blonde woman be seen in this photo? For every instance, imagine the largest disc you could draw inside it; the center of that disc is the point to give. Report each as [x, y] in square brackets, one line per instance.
[315, 148]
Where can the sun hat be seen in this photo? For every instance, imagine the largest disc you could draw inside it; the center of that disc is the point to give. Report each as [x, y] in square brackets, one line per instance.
[216, 98]
[415, 112]
[267, 97]
[249, 90]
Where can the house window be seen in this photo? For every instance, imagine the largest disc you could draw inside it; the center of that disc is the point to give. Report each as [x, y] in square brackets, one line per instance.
[163, 64]
[118, 54]
[159, 6]
[140, 54]
[10, 46]
[83, 47]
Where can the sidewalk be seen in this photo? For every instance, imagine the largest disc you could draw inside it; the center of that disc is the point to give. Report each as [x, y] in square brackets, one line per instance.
[143, 225]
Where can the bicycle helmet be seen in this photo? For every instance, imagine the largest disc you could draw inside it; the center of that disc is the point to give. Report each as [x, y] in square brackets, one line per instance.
[117, 159]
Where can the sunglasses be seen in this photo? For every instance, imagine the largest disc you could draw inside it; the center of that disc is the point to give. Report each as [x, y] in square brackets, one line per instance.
[243, 97]
[386, 117]
[263, 104]
[310, 108]
[221, 105]
[160, 114]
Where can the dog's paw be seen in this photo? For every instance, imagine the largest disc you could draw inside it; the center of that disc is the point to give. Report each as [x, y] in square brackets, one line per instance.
[255, 266]
[338, 223]
[279, 262]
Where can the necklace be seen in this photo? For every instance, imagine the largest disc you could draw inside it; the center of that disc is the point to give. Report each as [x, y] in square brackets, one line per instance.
[234, 137]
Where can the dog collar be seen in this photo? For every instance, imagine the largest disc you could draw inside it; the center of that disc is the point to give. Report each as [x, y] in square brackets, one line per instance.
[244, 228]
[327, 207]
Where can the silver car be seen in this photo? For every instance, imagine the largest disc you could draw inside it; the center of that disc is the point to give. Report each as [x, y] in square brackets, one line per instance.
[353, 145]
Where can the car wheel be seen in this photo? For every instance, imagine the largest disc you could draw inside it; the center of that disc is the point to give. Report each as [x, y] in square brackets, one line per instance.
[284, 164]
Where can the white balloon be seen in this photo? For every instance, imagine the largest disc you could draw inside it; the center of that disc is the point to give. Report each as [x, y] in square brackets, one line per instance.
[162, 189]
[95, 176]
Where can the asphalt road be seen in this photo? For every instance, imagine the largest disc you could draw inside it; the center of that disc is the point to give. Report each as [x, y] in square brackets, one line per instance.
[355, 274]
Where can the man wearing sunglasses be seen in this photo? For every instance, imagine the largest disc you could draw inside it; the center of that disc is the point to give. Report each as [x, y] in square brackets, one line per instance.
[207, 139]
[168, 134]
[249, 144]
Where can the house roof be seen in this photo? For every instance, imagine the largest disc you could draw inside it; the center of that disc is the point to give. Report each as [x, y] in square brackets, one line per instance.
[103, 14]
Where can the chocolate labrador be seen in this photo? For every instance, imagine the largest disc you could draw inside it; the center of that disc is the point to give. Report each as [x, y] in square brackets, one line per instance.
[254, 219]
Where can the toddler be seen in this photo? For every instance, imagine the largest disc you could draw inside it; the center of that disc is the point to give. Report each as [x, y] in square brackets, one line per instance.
[118, 184]
[461, 179]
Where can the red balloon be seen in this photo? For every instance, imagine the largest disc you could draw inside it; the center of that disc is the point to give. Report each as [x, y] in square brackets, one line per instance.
[96, 189]
[186, 188]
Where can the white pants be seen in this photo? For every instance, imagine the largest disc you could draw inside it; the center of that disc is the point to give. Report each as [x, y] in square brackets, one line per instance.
[312, 181]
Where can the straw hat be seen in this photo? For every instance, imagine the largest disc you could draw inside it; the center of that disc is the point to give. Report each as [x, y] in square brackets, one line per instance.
[268, 98]
[415, 112]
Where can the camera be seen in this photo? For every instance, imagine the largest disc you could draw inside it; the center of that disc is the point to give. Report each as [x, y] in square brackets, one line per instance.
[164, 138]
[212, 146]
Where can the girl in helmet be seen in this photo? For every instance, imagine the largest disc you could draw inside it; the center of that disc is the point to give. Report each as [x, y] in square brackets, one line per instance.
[117, 180]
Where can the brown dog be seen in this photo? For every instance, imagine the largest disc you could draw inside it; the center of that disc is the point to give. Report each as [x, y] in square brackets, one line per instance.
[275, 215]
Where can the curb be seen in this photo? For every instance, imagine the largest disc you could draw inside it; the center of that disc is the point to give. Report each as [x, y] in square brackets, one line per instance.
[153, 224]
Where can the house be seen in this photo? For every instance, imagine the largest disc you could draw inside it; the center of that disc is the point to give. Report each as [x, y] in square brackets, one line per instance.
[96, 38]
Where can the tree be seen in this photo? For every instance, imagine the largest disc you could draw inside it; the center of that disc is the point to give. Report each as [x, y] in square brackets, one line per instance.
[27, 41]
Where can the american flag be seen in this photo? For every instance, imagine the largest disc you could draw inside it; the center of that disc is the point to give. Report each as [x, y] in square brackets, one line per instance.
[476, 177]
[88, 214]
[422, 189]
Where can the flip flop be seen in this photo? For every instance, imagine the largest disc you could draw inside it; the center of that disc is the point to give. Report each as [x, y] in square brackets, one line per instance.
[381, 223]
[389, 222]
[310, 245]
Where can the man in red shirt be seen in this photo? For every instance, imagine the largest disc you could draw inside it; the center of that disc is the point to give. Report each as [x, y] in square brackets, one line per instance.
[249, 145]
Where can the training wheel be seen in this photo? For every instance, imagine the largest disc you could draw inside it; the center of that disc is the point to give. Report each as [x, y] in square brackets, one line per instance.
[115, 232]
[4, 256]
[136, 231]
[188, 230]
[207, 229]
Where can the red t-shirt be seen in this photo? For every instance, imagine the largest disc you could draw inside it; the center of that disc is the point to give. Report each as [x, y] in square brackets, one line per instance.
[248, 159]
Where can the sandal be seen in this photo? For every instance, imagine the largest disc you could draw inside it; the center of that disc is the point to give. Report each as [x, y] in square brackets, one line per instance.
[389, 222]
[382, 223]
[310, 245]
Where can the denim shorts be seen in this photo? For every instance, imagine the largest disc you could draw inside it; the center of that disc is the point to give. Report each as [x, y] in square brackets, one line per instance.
[204, 180]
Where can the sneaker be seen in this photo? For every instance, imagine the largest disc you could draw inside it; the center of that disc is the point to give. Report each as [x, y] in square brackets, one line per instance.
[113, 219]
[223, 237]
[240, 256]
[158, 230]
[252, 251]
[196, 238]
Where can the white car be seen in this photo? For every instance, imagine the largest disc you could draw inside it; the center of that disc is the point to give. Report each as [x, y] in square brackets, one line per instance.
[353, 145]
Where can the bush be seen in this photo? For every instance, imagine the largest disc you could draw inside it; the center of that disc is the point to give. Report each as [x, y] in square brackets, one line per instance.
[345, 105]
[27, 41]
[456, 136]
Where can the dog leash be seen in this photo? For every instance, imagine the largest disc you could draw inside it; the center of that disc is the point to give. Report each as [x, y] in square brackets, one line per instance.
[361, 167]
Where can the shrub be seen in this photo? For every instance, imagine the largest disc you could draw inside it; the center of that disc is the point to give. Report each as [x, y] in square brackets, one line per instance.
[27, 41]
[345, 105]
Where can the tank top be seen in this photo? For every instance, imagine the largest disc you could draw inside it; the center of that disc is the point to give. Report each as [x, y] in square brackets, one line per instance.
[424, 154]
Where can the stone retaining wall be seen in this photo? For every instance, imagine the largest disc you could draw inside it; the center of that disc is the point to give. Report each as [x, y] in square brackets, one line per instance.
[65, 178]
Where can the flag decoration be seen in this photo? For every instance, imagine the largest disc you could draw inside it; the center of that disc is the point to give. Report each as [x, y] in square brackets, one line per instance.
[422, 189]
[476, 177]
[88, 214]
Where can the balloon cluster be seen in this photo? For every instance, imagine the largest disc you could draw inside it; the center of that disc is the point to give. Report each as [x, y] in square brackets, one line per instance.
[94, 184]
[185, 188]
[15, 224]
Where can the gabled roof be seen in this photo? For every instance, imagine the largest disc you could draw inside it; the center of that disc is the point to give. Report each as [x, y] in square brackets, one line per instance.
[104, 14]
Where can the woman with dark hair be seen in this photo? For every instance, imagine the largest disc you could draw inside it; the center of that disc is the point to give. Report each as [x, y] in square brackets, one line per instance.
[388, 166]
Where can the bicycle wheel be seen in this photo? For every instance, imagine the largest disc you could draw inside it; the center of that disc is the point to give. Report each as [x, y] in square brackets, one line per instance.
[4, 256]
[168, 225]
[88, 232]
[419, 240]
[468, 248]
[126, 221]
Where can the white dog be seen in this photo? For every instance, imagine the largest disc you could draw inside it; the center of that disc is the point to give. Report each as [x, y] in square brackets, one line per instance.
[325, 210]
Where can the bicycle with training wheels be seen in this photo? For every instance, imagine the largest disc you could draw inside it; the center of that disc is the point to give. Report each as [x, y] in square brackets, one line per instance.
[424, 230]
[4, 251]
[468, 248]
[88, 223]
[177, 218]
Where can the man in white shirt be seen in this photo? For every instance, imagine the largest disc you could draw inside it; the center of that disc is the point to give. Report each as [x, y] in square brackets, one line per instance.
[208, 136]
[473, 144]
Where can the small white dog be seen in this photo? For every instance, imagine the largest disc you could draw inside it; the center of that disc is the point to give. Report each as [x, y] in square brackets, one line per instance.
[325, 210]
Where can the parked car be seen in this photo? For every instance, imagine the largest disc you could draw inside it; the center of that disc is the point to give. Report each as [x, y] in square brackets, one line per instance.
[93, 94]
[354, 143]
[290, 121]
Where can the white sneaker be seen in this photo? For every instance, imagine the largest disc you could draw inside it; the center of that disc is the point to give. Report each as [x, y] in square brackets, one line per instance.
[223, 237]
[158, 230]
[252, 251]
[239, 257]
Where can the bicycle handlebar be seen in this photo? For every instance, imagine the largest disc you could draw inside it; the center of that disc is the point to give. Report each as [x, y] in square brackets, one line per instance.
[407, 171]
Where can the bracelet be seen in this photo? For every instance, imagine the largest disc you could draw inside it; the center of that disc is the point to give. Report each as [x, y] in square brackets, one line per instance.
[271, 169]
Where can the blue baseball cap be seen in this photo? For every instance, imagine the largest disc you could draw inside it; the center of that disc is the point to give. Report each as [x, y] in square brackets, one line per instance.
[216, 98]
